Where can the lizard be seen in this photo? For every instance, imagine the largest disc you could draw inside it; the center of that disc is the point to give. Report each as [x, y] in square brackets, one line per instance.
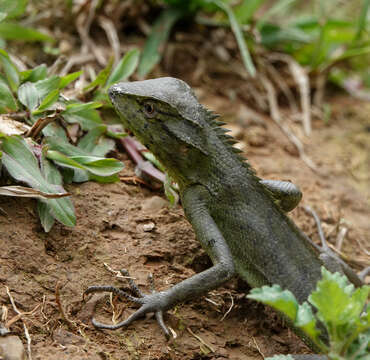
[239, 219]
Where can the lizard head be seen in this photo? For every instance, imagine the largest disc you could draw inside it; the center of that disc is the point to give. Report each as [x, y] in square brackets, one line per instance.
[166, 117]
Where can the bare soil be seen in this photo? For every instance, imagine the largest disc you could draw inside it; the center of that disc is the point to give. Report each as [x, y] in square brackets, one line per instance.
[112, 220]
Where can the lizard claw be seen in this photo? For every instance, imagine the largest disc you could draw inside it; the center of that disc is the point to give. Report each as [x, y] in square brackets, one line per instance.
[149, 303]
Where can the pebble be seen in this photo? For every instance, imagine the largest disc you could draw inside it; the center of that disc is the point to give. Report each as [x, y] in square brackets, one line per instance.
[11, 348]
[154, 204]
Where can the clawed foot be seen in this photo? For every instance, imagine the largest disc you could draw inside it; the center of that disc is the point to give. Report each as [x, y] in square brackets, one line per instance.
[149, 303]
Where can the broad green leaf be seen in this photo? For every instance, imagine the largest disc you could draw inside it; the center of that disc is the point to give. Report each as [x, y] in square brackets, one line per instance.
[280, 357]
[14, 31]
[38, 73]
[44, 87]
[102, 77]
[281, 300]
[7, 100]
[53, 176]
[13, 8]
[28, 95]
[104, 179]
[66, 80]
[62, 145]
[11, 72]
[55, 130]
[235, 27]
[49, 100]
[99, 166]
[94, 143]
[23, 166]
[83, 114]
[125, 67]
[336, 301]
[161, 29]
[78, 107]
[96, 165]
[46, 217]
[306, 320]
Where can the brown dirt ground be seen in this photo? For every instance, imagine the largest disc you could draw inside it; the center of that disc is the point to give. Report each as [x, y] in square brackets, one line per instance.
[110, 230]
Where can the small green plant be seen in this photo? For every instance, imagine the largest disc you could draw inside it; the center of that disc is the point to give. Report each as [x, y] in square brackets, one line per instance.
[178, 9]
[38, 146]
[11, 29]
[340, 308]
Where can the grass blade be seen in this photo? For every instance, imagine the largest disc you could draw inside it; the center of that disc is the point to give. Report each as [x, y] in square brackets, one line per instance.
[125, 67]
[235, 27]
[160, 32]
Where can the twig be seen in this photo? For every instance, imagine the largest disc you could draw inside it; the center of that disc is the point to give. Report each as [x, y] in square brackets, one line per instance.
[117, 273]
[303, 83]
[70, 324]
[42, 123]
[275, 114]
[340, 237]
[257, 347]
[110, 30]
[230, 308]
[26, 333]
[200, 340]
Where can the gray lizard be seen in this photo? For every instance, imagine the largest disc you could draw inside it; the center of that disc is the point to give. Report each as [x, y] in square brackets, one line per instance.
[238, 218]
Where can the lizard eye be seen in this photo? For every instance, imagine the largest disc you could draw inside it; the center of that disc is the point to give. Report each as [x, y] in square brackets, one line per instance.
[149, 110]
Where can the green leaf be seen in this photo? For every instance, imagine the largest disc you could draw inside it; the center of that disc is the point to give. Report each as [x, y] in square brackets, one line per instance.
[46, 217]
[66, 80]
[94, 143]
[79, 107]
[125, 67]
[28, 95]
[102, 77]
[96, 165]
[38, 73]
[14, 31]
[44, 87]
[11, 72]
[235, 27]
[7, 100]
[49, 100]
[13, 8]
[22, 165]
[307, 321]
[83, 114]
[336, 301]
[53, 176]
[158, 37]
[281, 300]
[280, 357]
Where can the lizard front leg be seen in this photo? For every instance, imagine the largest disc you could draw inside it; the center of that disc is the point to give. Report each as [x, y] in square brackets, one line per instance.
[195, 204]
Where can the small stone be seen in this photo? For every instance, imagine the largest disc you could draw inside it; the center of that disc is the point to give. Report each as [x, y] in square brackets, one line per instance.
[154, 204]
[148, 227]
[11, 348]
[65, 338]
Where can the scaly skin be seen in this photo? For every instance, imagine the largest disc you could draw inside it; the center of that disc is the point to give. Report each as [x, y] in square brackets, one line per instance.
[235, 215]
